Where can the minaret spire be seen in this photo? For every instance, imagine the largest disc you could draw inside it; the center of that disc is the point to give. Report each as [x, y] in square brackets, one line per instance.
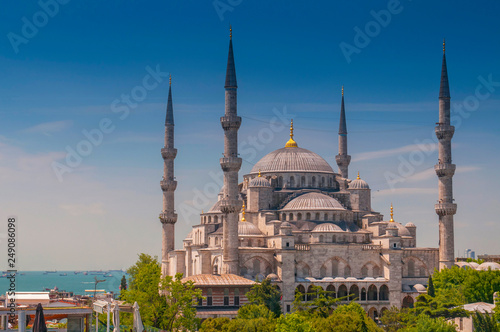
[230, 164]
[168, 217]
[446, 208]
[343, 159]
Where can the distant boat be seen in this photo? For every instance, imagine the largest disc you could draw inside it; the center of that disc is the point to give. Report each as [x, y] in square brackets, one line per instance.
[108, 275]
[76, 272]
[116, 270]
[63, 274]
[85, 273]
[51, 271]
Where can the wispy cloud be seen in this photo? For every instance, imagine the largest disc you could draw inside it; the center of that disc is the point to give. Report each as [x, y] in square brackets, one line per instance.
[430, 173]
[391, 152]
[76, 210]
[49, 128]
[407, 191]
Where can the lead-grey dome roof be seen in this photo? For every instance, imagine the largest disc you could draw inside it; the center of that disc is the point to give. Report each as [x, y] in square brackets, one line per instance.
[313, 201]
[327, 227]
[292, 159]
[259, 181]
[246, 228]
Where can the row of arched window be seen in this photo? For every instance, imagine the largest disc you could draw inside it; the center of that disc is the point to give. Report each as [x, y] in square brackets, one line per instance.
[303, 182]
[353, 293]
[335, 216]
[209, 219]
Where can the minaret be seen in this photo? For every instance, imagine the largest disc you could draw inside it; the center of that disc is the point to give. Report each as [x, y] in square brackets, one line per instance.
[343, 159]
[230, 164]
[445, 208]
[168, 217]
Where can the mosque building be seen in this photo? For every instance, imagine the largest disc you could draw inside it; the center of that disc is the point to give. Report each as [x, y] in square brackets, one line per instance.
[296, 220]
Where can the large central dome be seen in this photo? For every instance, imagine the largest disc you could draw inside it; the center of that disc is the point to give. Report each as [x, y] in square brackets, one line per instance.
[292, 159]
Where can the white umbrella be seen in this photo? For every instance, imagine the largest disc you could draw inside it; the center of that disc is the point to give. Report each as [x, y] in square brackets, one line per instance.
[116, 317]
[138, 327]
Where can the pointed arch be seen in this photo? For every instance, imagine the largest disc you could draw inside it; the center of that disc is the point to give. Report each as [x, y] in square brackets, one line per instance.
[354, 293]
[372, 293]
[383, 293]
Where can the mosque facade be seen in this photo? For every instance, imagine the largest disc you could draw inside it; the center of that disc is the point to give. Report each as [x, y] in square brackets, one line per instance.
[296, 220]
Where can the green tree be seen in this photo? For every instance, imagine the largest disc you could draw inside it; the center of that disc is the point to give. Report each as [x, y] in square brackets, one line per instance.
[218, 324]
[396, 319]
[322, 303]
[123, 283]
[252, 311]
[425, 323]
[437, 307]
[485, 322]
[169, 307]
[293, 322]
[430, 288]
[266, 294]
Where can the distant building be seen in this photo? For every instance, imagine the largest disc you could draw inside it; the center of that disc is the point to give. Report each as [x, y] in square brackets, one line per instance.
[297, 221]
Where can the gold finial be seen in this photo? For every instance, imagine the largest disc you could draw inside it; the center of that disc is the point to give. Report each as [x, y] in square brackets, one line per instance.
[444, 45]
[259, 173]
[243, 212]
[291, 143]
[392, 214]
[342, 89]
[201, 211]
[230, 32]
[358, 176]
[170, 79]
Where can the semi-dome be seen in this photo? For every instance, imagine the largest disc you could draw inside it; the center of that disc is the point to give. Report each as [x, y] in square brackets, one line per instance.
[215, 208]
[313, 201]
[327, 227]
[489, 265]
[292, 159]
[246, 228]
[259, 181]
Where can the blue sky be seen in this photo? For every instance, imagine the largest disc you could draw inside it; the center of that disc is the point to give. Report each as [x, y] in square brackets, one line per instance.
[72, 69]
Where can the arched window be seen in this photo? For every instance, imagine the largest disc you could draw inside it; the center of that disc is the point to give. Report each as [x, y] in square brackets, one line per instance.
[372, 293]
[216, 241]
[322, 272]
[411, 268]
[313, 182]
[216, 220]
[408, 302]
[209, 219]
[376, 271]
[364, 272]
[292, 182]
[308, 216]
[302, 181]
[290, 216]
[283, 217]
[325, 217]
[347, 271]
[226, 296]
[256, 266]
[342, 292]
[250, 243]
[384, 293]
[299, 216]
[330, 291]
[317, 216]
[335, 268]
[321, 238]
[363, 294]
[300, 289]
[280, 182]
[209, 297]
[311, 293]
[322, 181]
[354, 293]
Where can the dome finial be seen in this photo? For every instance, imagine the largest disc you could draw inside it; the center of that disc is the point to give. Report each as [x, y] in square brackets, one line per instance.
[444, 46]
[392, 214]
[243, 212]
[259, 173]
[170, 79]
[291, 143]
[358, 178]
[230, 32]
[342, 89]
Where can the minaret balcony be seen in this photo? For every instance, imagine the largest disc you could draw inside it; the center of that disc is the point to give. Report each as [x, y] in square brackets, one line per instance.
[168, 185]
[445, 131]
[231, 205]
[446, 209]
[168, 153]
[230, 122]
[168, 217]
[343, 159]
[230, 164]
[445, 170]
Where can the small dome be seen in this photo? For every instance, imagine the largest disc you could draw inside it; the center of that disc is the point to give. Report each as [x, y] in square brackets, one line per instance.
[463, 265]
[402, 230]
[246, 228]
[273, 277]
[259, 181]
[327, 227]
[308, 226]
[215, 208]
[359, 184]
[392, 225]
[410, 224]
[313, 201]
[474, 265]
[286, 224]
[489, 265]
[420, 288]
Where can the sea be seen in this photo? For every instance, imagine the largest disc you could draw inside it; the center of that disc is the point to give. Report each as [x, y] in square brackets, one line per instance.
[70, 281]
